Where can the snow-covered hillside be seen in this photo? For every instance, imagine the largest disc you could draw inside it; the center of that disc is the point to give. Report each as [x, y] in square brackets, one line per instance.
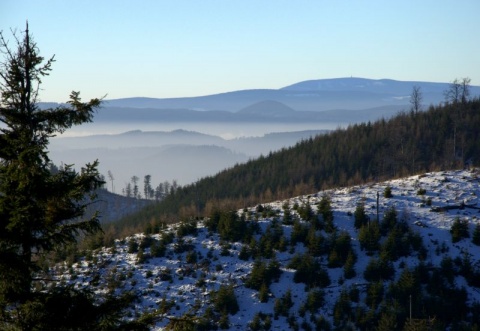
[195, 263]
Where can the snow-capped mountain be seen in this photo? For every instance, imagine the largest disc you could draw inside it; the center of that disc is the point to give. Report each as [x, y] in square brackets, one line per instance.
[196, 263]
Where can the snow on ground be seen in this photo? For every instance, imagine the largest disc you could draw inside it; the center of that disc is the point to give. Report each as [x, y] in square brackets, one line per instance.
[188, 284]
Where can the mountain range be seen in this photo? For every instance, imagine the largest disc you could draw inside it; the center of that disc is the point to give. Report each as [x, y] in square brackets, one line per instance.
[313, 95]
[341, 100]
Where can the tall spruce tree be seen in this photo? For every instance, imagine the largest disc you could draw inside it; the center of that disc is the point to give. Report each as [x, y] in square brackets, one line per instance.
[40, 210]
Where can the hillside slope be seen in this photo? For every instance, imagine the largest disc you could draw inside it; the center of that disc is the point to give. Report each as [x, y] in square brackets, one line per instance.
[264, 259]
[443, 137]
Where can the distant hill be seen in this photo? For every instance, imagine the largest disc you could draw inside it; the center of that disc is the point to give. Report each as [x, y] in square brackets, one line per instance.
[268, 108]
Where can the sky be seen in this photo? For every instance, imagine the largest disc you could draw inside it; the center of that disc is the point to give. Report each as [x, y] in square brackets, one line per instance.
[165, 49]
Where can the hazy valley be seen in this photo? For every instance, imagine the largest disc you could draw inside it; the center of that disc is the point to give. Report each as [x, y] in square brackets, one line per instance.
[185, 139]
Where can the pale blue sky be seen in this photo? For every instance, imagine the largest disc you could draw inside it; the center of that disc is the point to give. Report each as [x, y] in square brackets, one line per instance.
[189, 48]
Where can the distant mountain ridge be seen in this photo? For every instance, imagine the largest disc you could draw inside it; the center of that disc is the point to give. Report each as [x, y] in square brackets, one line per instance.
[312, 95]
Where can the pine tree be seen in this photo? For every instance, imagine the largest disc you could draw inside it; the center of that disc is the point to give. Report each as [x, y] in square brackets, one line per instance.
[360, 216]
[476, 235]
[40, 210]
[349, 267]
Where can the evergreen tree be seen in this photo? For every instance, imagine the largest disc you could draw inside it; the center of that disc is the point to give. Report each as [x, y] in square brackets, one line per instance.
[369, 237]
[459, 230]
[360, 215]
[224, 300]
[349, 267]
[40, 210]
[326, 212]
[476, 235]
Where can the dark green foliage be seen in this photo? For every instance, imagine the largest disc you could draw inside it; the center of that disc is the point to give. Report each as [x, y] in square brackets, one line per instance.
[375, 291]
[231, 227]
[361, 217]
[263, 293]
[132, 246]
[399, 243]
[342, 309]
[309, 271]
[459, 230]
[421, 191]
[187, 228]
[68, 309]
[212, 222]
[146, 242]
[349, 267]
[321, 323]
[387, 322]
[378, 269]
[306, 213]
[282, 305]
[263, 274]
[158, 248]
[342, 247]
[315, 300]
[272, 239]
[316, 243]
[407, 287]
[326, 213]
[476, 235]
[141, 256]
[244, 254]
[260, 322]
[42, 211]
[224, 321]
[191, 257]
[389, 220]
[369, 237]
[387, 193]
[224, 300]
[299, 232]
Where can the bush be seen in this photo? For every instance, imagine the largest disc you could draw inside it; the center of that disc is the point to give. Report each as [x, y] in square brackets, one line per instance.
[132, 246]
[421, 191]
[158, 249]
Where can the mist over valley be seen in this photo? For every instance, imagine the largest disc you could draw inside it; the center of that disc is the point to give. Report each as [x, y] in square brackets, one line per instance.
[186, 139]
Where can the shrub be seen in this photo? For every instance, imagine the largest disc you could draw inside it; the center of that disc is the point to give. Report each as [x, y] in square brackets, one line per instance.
[132, 246]
[421, 191]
